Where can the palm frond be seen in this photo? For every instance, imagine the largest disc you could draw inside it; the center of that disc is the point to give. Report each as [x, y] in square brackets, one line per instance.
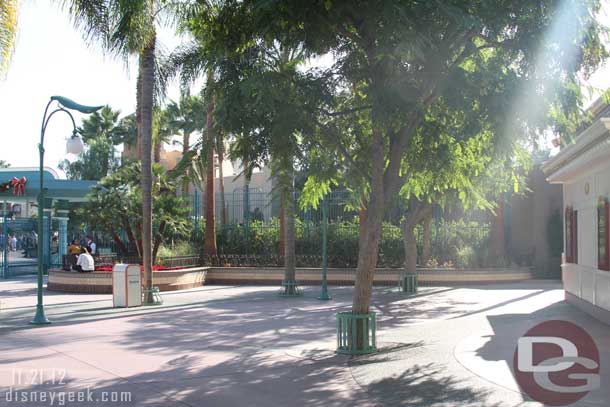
[8, 32]
[188, 62]
[92, 18]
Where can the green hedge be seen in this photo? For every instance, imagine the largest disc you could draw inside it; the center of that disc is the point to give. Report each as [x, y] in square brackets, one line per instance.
[456, 243]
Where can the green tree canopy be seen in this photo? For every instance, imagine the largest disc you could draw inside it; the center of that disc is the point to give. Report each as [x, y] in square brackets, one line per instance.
[115, 205]
[399, 66]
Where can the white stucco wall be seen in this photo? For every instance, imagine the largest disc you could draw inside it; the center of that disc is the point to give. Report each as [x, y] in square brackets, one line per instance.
[584, 279]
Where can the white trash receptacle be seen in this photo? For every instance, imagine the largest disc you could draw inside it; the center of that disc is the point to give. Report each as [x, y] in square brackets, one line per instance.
[126, 285]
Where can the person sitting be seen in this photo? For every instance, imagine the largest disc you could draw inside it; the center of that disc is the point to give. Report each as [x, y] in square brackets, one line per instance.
[85, 262]
[73, 253]
[74, 247]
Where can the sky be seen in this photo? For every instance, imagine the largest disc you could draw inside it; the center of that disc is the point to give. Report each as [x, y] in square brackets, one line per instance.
[52, 58]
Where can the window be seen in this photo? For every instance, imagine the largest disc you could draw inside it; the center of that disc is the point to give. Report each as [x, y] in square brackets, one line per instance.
[603, 232]
[571, 236]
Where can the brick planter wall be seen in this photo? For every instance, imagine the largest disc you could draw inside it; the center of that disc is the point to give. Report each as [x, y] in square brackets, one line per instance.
[101, 282]
[383, 276]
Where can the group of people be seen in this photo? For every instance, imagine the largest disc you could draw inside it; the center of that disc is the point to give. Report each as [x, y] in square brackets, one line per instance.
[12, 243]
[82, 255]
[15, 242]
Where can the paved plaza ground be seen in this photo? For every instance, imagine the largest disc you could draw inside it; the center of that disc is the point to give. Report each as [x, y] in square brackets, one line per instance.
[245, 346]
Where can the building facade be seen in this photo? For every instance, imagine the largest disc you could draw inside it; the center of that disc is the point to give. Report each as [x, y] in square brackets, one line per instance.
[583, 169]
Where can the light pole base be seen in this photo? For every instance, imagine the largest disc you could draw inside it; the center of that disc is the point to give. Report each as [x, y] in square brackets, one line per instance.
[324, 295]
[40, 318]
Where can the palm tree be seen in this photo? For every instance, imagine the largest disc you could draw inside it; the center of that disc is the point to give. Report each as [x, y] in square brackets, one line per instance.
[220, 148]
[163, 131]
[185, 117]
[192, 62]
[129, 28]
[209, 243]
[8, 32]
[102, 131]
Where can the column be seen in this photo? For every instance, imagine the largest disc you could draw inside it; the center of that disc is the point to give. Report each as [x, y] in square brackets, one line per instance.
[45, 239]
[62, 239]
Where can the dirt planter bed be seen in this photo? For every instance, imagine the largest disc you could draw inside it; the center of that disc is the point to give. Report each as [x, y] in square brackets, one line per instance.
[100, 282]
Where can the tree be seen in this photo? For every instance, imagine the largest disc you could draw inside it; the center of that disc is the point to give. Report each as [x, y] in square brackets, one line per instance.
[102, 132]
[8, 31]
[163, 131]
[396, 61]
[186, 117]
[425, 253]
[129, 28]
[220, 149]
[192, 61]
[263, 111]
[115, 203]
[209, 243]
[4, 164]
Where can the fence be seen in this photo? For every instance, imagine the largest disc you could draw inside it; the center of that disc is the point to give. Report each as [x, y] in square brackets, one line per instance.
[19, 245]
[243, 205]
[251, 234]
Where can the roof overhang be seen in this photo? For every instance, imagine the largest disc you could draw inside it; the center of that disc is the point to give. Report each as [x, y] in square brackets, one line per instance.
[590, 152]
[57, 189]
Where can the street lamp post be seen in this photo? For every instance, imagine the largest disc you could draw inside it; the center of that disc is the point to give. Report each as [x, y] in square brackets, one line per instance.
[74, 146]
[324, 293]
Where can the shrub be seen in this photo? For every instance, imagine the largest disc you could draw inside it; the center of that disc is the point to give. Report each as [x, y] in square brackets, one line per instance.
[464, 244]
[183, 248]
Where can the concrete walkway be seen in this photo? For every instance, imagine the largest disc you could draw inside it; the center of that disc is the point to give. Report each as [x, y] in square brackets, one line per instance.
[244, 346]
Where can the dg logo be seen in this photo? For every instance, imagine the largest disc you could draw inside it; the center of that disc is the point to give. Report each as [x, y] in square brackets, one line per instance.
[556, 363]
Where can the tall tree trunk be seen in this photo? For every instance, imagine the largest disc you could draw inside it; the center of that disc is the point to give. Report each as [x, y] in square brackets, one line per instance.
[148, 82]
[290, 244]
[131, 237]
[362, 222]
[158, 240]
[186, 145]
[425, 253]
[418, 212]
[209, 244]
[498, 241]
[120, 244]
[139, 112]
[410, 242]
[221, 185]
[157, 150]
[369, 245]
[282, 245]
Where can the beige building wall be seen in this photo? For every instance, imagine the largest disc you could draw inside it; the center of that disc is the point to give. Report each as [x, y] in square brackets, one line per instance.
[529, 224]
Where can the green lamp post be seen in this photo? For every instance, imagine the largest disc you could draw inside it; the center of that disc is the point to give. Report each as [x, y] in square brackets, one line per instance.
[324, 293]
[74, 146]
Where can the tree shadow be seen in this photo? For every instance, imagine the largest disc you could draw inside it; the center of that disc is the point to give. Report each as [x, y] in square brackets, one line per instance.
[427, 386]
[257, 379]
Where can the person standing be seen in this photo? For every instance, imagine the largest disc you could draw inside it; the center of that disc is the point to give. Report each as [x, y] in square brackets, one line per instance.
[90, 245]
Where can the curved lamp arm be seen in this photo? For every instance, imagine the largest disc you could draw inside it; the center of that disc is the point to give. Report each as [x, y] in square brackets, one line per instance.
[72, 105]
